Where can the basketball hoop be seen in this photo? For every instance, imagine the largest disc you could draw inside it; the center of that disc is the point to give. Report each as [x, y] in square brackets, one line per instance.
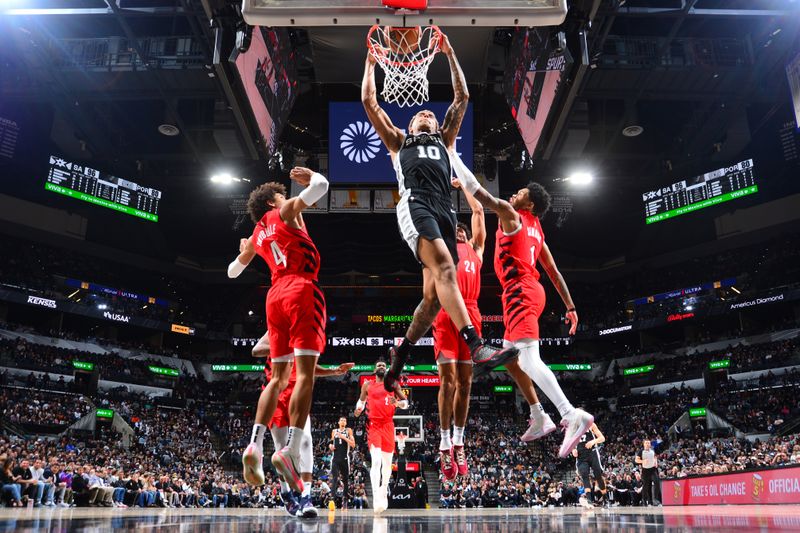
[404, 54]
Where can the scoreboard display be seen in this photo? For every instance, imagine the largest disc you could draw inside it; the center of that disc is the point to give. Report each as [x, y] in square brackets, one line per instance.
[95, 187]
[705, 190]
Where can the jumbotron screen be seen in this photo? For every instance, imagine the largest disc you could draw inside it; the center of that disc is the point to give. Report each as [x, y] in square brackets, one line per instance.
[712, 188]
[95, 187]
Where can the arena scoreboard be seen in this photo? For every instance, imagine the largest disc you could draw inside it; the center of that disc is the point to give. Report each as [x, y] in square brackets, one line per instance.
[99, 188]
[712, 188]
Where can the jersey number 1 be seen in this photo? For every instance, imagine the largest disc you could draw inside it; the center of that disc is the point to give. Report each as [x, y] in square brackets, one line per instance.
[432, 152]
[277, 254]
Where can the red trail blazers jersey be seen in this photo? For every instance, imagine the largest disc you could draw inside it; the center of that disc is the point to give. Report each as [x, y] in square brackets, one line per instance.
[379, 410]
[515, 261]
[468, 272]
[286, 250]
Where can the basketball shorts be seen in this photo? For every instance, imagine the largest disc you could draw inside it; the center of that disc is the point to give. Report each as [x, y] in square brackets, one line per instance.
[430, 217]
[381, 435]
[523, 304]
[295, 317]
[281, 417]
[448, 346]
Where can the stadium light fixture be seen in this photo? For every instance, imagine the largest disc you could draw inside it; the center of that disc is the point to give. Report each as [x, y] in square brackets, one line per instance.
[222, 178]
[580, 178]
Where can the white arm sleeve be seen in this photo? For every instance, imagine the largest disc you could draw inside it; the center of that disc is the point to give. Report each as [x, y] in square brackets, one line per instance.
[316, 189]
[464, 175]
[235, 268]
[360, 404]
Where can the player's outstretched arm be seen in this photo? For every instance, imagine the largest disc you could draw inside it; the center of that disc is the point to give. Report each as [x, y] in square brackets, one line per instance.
[316, 186]
[390, 134]
[341, 370]
[455, 113]
[549, 265]
[478, 221]
[247, 251]
[599, 438]
[509, 219]
[361, 400]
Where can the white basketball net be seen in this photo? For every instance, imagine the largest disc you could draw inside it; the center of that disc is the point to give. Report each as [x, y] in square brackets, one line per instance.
[404, 57]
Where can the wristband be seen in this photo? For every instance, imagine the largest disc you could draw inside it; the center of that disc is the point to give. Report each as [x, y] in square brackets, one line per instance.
[316, 189]
[570, 310]
[360, 404]
[402, 404]
[235, 268]
[467, 179]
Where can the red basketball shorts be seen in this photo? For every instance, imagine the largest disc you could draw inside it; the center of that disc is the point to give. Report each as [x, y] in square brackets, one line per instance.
[381, 435]
[295, 317]
[448, 346]
[522, 308]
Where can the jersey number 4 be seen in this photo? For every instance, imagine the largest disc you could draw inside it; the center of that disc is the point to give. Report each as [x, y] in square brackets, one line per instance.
[429, 152]
[277, 254]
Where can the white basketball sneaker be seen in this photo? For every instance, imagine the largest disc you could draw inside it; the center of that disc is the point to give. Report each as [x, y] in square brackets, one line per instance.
[575, 425]
[538, 427]
[253, 469]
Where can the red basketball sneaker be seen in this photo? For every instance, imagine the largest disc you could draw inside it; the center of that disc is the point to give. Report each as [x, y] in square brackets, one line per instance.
[461, 460]
[448, 464]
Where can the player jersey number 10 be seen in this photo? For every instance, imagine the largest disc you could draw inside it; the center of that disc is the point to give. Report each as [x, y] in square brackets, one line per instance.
[428, 152]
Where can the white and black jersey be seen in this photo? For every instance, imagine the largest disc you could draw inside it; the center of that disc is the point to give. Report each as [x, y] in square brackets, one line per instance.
[423, 166]
[423, 179]
[589, 459]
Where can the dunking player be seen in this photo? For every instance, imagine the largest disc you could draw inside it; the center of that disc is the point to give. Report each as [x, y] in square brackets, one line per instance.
[380, 405]
[341, 441]
[451, 352]
[425, 213]
[587, 457]
[295, 312]
[520, 245]
[299, 505]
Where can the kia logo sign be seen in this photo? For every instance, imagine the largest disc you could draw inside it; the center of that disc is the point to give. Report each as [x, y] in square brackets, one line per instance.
[44, 302]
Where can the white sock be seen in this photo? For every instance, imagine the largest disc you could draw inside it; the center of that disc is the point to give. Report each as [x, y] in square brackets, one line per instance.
[258, 435]
[531, 363]
[458, 436]
[295, 440]
[444, 443]
[284, 486]
[306, 488]
[537, 411]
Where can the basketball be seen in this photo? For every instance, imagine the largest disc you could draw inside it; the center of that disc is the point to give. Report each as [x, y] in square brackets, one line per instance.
[403, 40]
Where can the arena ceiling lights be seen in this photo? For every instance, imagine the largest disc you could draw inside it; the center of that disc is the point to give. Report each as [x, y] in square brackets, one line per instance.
[444, 13]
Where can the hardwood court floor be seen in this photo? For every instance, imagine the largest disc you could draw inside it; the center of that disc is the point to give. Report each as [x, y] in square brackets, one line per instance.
[620, 519]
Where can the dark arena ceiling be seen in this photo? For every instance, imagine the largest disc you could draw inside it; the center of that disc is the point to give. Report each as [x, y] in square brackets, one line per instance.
[92, 81]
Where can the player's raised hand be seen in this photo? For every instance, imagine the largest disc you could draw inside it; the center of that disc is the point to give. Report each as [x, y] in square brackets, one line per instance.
[242, 245]
[344, 368]
[444, 44]
[572, 319]
[301, 175]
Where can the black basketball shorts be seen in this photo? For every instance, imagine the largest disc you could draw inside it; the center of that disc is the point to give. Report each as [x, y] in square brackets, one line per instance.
[427, 216]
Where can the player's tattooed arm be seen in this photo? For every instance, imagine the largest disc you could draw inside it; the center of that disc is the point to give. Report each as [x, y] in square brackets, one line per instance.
[455, 113]
[549, 265]
[390, 134]
[424, 315]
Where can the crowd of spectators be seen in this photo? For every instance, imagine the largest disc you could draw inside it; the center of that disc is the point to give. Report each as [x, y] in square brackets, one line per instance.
[39, 407]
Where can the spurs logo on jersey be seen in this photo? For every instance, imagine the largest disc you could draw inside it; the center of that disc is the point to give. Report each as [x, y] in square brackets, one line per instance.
[423, 165]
